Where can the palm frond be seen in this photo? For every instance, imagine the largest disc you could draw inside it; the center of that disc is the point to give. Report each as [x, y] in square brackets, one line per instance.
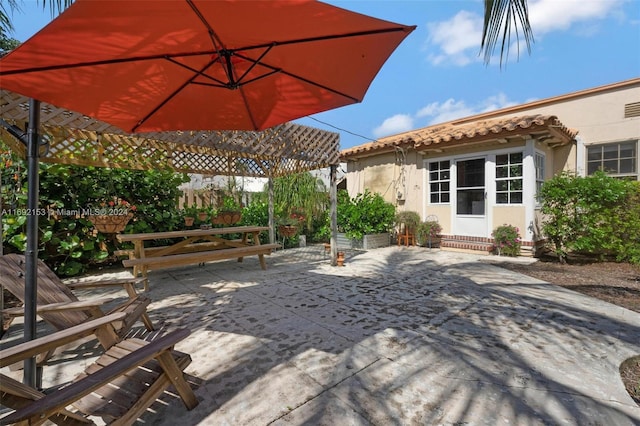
[501, 19]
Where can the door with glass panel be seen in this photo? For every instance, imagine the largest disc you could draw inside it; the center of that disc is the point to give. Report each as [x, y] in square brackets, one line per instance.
[471, 197]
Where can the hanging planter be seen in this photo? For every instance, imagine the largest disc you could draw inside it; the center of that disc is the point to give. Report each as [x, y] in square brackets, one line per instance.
[110, 224]
[287, 230]
[227, 218]
[111, 217]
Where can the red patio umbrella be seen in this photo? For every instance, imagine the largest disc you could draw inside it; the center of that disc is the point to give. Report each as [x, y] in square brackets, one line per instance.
[201, 64]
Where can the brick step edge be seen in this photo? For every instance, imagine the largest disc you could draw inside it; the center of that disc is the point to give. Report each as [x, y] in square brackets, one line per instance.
[482, 240]
[479, 246]
[466, 245]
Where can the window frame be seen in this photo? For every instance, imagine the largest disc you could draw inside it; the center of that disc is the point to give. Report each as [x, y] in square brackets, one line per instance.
[509, 179]
[439, 181]
[633, 142]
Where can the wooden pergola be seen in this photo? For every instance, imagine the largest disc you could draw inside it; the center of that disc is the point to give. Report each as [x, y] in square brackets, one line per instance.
[73, 138]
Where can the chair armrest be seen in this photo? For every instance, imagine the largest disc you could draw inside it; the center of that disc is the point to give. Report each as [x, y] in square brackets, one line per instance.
[53, 402]
[75, 285]
[44, 344]
[80, 305]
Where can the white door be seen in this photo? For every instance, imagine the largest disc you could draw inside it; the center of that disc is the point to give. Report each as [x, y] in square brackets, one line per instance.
[471, 198]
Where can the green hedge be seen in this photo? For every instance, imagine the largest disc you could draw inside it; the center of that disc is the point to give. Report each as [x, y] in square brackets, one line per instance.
[597, 215]
[68, 243]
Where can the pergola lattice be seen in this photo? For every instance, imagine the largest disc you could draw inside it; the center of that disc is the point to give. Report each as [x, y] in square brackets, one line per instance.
[74, 138]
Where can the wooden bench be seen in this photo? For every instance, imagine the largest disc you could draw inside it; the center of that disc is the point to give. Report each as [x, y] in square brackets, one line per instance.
[159, 262]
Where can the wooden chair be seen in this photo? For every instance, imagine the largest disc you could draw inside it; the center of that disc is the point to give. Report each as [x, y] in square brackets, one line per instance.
[407, 236]
[118, 387]
[59, 307]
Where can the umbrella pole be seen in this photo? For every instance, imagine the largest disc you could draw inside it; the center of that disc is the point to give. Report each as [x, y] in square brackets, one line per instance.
[31, 255]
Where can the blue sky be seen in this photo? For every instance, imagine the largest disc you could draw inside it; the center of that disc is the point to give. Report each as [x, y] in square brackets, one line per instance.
[436, 74]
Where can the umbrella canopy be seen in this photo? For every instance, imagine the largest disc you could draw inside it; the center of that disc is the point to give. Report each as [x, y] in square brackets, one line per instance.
[201, 64]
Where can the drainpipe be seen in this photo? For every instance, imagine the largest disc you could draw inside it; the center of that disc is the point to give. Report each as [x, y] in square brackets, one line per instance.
[581, 152]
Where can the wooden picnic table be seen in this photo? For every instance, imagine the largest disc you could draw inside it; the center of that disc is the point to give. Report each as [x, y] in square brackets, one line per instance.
[197, 246]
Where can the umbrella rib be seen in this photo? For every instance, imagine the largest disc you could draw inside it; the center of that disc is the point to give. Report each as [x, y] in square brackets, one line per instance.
[106, 62]
[220, 83]
[254, 63]
[226, 86]
[200, 53]
[174, 93]
[327, 37]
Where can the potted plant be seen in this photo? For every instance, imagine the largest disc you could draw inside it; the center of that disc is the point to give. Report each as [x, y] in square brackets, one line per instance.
[428, 234]
[189, 215]
[203, 214]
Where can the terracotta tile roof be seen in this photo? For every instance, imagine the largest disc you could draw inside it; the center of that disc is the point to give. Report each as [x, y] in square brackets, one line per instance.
[452, 133]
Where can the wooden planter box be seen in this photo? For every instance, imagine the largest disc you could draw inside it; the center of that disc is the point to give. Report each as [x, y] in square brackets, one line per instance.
[368, 242]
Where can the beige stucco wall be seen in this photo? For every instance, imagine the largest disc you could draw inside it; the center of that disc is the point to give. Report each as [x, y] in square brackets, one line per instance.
[389, 174]
[510, 215]
[598, 117]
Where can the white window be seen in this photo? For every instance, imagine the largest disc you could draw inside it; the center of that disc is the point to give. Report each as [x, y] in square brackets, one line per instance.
[616, 159]
[509, 178]
[439, 182]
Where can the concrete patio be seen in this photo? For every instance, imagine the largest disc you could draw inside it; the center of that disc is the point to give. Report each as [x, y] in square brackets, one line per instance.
[398, 336]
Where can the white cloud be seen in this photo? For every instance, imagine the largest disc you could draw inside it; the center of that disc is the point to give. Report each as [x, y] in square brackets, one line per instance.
[452, 109]
[397, 124]
[445, 111]
[457, 40]
[440, 112]
[546, 16]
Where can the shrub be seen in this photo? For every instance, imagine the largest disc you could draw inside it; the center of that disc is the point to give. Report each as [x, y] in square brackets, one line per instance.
[410, 219]
[507, 241]
[598, 215]
[366, 213]
[428, 232]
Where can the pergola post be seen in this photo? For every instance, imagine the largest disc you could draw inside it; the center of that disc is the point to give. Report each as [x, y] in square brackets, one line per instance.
[333, 210]
[272, 233]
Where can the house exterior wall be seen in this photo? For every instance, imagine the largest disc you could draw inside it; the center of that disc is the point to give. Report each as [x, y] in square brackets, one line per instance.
[597, 114]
